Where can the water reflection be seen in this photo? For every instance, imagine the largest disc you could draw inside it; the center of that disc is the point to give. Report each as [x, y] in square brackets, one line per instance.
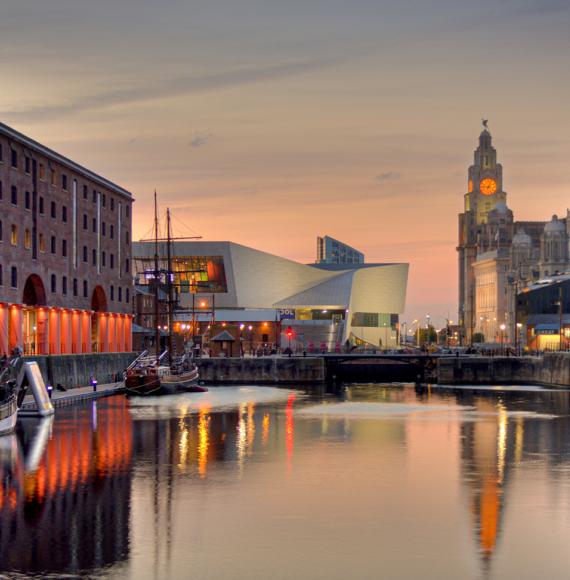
[415, 481]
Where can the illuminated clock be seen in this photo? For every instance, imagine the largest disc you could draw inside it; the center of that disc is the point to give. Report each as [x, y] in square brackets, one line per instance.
[488, 186]
[470, 186]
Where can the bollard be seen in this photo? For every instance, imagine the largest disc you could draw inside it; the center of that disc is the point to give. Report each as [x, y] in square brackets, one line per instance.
[94, 384]
[49, 390]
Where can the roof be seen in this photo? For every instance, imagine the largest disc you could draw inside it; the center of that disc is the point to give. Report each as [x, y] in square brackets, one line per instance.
[21, 138]
[224, 336]
[332, 292]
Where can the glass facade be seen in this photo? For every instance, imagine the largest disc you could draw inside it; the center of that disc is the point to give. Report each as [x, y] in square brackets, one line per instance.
[191, 274]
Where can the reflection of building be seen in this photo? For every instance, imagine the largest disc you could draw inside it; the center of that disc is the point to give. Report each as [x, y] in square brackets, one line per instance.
[228, 282]
[497, 255]
[71, 515]
[65, 282]
[331, 251]
[544, 310]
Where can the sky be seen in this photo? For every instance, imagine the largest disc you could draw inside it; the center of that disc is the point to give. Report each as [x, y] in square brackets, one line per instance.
[269, 123]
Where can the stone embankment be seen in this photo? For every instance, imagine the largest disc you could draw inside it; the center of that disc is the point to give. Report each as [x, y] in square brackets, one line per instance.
[76, 370]
[552, 369]
[262, 370]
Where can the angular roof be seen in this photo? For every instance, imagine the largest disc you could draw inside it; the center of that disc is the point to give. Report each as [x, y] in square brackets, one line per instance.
[332, 292]
[224, 336]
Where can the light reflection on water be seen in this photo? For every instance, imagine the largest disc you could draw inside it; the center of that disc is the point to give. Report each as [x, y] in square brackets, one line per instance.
[386, 481]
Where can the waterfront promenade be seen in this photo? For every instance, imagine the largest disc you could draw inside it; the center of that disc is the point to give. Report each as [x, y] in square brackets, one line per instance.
[71, 396]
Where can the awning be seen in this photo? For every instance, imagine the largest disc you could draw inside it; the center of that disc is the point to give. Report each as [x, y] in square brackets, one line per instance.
[547, 328]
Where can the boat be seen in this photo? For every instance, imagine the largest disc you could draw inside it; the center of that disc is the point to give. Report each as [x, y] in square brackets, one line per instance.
[10, 394]
[164, 373]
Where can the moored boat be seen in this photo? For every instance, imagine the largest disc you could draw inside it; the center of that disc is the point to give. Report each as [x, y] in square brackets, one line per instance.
[9, 391]
[148, 375]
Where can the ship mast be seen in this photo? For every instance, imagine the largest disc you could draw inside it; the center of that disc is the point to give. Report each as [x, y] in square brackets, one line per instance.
[169, 284]
[156, 284]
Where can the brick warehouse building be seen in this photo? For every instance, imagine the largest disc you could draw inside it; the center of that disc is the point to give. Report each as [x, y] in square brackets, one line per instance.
[65, 254]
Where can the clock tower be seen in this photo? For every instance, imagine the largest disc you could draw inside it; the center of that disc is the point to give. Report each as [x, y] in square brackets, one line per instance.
[484, 193]
[484, 180]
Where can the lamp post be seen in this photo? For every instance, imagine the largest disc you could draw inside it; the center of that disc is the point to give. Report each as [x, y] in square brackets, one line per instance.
[417, 323]
[241, 327]
[518, 327]
[427, 330]
[250, 328]
[502, 337]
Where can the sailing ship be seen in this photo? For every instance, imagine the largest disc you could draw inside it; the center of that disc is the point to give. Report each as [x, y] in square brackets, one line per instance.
[11, 395]
[163, 373]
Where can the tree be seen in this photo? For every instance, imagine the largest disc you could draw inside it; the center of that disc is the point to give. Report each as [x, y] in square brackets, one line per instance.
[426, 333]
[478, 337]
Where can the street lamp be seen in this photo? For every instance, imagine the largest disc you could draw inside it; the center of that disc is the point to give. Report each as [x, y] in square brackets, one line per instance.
[502, 336]
[427, 329]
[518, 337]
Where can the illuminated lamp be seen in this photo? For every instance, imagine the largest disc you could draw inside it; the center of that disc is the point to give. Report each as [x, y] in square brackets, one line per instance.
[250, 327]
[241, 326]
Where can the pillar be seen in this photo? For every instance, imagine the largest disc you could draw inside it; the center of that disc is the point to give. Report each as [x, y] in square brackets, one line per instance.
[65, 323]
[112, 324]
[15, 327]
[76, 332]
[4, 330]
[86, 332]
[54, 331]
[42, 333]
[103, 337]
[128, 333]
[120, 333]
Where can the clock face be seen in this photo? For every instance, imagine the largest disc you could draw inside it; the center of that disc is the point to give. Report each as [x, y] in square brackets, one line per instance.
[470, 186]
[488, 186]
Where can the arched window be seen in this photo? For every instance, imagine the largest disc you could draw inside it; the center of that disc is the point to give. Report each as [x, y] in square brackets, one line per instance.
[14, 235]
[42, 243]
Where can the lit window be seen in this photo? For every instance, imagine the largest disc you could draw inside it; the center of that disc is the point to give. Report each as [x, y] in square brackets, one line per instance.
[14, 235]
[42, 243]
[27, 239]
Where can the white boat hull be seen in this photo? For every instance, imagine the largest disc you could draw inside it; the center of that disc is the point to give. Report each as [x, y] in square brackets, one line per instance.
[8, 423]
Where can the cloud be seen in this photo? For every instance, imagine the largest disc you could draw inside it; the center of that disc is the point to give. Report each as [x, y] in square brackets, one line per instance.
[200, 140]
[388, 176]
[537, 7]
[168, 88]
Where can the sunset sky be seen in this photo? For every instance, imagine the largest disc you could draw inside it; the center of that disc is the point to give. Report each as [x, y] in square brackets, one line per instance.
[268, 123]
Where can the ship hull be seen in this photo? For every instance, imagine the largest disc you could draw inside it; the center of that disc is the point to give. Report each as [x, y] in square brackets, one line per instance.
[141, 385]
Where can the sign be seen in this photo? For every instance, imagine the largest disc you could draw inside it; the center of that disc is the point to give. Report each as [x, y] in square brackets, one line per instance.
[286, 314]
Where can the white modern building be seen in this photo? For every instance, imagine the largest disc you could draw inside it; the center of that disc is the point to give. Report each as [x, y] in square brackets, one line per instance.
[336, 302]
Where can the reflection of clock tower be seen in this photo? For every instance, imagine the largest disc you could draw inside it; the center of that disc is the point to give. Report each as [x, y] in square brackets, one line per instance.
[484, 192]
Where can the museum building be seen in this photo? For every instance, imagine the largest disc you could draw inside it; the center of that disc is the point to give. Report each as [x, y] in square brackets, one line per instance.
[65, 254]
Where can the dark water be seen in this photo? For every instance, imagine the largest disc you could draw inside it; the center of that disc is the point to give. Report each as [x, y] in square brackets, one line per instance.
[385, 482]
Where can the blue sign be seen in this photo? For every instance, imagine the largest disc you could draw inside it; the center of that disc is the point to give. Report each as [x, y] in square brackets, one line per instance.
[287, 314]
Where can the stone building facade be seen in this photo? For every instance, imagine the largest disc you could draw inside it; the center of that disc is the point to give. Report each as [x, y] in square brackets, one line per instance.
[65, 254]
[499, 256]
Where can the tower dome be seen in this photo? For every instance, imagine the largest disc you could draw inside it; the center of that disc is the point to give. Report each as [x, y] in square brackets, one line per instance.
[554, 226]
[521, 238]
